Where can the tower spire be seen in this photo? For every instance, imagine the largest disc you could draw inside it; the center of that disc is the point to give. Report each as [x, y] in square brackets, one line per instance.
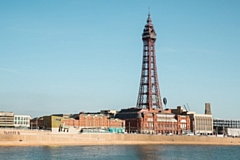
[149, 20]
[149, 91]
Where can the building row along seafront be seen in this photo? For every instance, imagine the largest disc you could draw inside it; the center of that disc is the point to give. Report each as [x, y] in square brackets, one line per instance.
[10, 120]
[148, 117]
[177, 121]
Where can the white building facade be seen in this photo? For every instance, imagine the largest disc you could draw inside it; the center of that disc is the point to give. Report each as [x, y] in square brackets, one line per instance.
[201, 123]
[22, 121]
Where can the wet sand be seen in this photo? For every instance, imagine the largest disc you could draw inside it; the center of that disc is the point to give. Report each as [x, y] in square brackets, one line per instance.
[101, 142]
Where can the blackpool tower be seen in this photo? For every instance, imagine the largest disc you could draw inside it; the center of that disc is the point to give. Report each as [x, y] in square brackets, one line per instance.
[149, 92]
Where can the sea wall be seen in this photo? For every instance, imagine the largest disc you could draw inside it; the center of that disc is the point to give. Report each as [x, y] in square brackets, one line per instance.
[108, 138]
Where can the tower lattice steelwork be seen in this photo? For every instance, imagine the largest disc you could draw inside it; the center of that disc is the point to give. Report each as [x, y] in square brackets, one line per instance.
[149, 91]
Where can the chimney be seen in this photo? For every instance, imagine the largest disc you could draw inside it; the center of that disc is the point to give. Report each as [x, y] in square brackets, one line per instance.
[208, 109]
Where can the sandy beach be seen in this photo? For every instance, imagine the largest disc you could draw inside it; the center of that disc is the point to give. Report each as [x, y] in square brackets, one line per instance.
[47, 138]
[235, 141]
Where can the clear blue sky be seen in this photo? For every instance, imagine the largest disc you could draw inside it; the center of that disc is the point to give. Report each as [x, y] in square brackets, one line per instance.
[71, 56]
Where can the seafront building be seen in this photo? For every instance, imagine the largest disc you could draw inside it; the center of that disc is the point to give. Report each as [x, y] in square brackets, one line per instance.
[139, 120]
[227, 127]
[226, 123]
[37, 123]
[94, 122]
[6, 119]
[22, 121]
[143, 121]
[201, 123]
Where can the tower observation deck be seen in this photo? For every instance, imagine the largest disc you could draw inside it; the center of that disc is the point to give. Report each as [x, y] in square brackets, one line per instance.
[149, 92]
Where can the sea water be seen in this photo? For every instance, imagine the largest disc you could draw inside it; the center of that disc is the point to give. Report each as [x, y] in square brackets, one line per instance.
[122, 152]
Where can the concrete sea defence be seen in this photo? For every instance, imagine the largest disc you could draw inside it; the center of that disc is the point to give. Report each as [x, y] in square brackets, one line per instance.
[46, 138]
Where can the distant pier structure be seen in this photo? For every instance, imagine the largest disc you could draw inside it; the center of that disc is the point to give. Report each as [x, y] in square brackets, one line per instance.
[149, 92]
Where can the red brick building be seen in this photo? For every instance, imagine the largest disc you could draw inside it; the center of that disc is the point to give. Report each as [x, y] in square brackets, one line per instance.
[143, 121]
[154, 122]
[37, 123]
[93, 120]
[183, 123]
[184, 120]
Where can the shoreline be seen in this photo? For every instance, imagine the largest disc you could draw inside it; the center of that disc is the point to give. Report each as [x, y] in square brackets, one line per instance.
[99, 143]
